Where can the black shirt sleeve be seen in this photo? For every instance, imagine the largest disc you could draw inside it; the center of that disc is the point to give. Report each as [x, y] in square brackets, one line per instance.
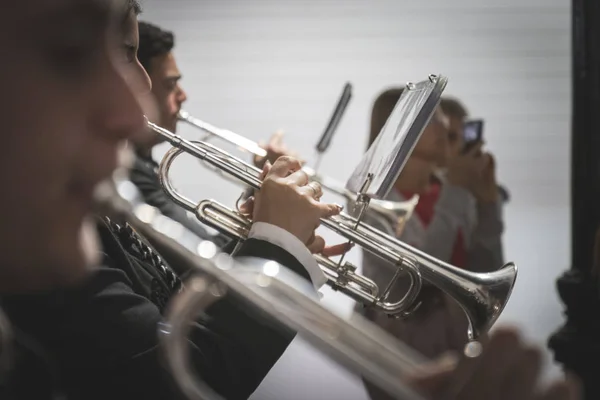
[104, 335]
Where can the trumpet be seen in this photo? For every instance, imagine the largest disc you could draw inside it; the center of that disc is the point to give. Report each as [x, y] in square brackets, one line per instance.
[391, 214]
[482, 296]
[265, 285]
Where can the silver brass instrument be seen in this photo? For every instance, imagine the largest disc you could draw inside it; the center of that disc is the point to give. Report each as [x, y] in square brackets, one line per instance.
[251, 147]
[266, 286]
[390, 211]
[358, 344]
[482, 296]
[231, 137]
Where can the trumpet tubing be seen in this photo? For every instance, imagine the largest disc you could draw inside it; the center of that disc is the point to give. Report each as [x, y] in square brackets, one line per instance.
[482, 296]
[257, 283]
[231, 137]
[397, 211]
[364, 348]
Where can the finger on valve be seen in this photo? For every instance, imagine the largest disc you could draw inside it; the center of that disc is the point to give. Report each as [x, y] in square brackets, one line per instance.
[249, 191]
[328, 210]
[247, 207]
[298, 178]
[312, 189]
[265, 169]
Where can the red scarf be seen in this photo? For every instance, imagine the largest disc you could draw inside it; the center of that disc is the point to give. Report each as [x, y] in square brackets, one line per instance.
[425, 210]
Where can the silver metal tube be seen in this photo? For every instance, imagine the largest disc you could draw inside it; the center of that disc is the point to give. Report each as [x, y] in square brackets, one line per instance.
[229, 136]
[264, 285]
[357, 345]
[397, 210]
[482, 296]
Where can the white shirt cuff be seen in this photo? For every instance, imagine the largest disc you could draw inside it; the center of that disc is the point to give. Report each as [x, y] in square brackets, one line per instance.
[290, 243]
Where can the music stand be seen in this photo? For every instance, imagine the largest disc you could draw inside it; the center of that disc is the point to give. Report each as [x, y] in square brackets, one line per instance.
[334, 121]
[381, 165]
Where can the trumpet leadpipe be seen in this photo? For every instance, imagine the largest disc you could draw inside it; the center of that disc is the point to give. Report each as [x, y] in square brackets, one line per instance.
[224, 134]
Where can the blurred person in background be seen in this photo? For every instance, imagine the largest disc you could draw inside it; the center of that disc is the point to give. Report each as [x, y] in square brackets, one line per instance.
[85, 109]
[167, 97]
[85, 295]
[485, 247]
[156, 54]
[442, 225]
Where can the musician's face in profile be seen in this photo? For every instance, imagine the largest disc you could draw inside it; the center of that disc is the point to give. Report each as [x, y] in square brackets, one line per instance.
[433, 144]
[68, 105]
[166, 88]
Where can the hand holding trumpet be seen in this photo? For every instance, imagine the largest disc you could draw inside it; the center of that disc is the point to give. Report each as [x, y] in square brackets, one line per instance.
[288, 200]
[275, 148]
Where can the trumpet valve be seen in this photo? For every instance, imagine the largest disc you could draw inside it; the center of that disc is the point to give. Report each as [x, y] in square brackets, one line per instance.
[345, 273]
[347, 268]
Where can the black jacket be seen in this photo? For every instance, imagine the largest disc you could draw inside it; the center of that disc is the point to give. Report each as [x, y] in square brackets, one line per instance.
[101, 339]
[144, 175]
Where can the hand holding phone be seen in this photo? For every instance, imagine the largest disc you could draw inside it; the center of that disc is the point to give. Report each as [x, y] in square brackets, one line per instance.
[472, 134]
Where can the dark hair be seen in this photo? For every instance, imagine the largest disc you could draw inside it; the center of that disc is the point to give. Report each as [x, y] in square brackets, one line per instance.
[452, 107]
[382, 109]
[154, 42]
[135, 6]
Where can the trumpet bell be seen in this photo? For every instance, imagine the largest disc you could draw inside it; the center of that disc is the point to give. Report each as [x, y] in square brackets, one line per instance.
[483, 296]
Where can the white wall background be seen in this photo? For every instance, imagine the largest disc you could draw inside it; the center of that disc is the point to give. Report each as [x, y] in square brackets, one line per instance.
[255, 66]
